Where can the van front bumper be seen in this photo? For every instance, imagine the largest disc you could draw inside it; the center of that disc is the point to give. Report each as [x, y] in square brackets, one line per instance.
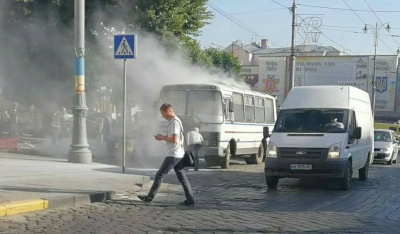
[319, 168]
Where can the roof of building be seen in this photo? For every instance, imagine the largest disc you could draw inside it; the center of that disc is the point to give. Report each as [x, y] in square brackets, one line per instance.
[299, 48]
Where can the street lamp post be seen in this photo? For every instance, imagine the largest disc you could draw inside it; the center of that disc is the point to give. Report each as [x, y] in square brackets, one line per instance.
[376, 32]
[79, 152]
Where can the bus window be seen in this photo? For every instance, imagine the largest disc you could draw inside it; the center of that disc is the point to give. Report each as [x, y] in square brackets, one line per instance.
[205, 105]
[260, 113]
[249, 108]
[177, 98]
[238, 107]
[228, 116]
[269, 111]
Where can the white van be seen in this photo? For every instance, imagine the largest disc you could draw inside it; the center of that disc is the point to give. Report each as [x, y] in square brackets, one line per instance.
[321, 131]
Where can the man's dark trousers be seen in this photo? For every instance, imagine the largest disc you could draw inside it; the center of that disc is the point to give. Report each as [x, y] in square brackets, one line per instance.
[167, 165]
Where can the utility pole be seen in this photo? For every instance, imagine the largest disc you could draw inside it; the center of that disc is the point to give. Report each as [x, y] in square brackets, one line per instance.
[292, 63]
[79, 152]
[374, 72]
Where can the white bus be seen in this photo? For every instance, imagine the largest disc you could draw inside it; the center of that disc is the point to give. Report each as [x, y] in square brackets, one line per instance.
[230, 118]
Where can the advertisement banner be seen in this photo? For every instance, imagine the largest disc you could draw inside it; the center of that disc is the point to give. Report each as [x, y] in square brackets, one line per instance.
[356, 71]
[272, 77]
[385, 82]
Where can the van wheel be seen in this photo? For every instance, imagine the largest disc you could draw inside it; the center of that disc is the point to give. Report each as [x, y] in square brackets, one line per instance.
[391, 160]
[344, 182]
[212, 160]
[224, 162]
[363, 172]
[272, 181]
[258, 157]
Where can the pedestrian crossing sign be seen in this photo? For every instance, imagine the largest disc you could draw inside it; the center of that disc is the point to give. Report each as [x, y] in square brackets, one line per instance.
[125, 46]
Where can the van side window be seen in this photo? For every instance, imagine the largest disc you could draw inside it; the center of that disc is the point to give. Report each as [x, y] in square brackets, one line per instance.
[260, 113]
[238, 109]
[249, 108]
[352, 127]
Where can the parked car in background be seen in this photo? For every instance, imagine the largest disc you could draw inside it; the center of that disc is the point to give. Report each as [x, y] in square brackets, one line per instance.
[385, 146]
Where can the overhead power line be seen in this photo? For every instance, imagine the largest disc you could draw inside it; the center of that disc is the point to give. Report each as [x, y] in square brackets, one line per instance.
[354, 11]
[339, 44]
[381, 23]
[259, 11]
[240, 23]
[345, 9]
[280, 4]
[366, 23]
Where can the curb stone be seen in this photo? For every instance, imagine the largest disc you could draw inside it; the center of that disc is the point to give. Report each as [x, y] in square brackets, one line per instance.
[32, 205]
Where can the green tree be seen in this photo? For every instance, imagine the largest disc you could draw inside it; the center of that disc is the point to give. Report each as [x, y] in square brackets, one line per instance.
[176, 23]
[226, 61]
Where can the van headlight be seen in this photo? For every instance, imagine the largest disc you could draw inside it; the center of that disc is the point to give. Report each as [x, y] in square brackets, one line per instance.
[334, 151]
[271, 150]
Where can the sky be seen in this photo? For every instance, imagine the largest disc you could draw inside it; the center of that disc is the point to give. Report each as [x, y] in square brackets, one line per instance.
[342, 23]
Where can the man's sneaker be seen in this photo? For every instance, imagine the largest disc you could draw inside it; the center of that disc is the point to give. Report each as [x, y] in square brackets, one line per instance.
[144, 198]
[187, 203]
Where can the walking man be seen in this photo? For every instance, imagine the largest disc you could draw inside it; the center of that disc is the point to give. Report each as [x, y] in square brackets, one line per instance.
[194, 142]
[173, 159]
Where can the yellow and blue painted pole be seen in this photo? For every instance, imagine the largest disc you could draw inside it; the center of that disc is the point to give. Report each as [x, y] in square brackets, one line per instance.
[79, 75]
[79, 152]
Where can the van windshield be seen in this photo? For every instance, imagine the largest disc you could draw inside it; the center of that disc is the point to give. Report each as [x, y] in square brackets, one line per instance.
[311, 120]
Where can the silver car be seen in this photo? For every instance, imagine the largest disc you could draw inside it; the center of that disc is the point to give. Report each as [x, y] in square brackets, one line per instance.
[385, 146]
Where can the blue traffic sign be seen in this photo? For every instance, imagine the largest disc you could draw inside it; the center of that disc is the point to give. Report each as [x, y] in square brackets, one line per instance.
[125, 46]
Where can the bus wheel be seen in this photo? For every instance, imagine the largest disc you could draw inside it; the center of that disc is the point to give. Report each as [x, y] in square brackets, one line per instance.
[258, 157]
[224, 162]
[212, 160]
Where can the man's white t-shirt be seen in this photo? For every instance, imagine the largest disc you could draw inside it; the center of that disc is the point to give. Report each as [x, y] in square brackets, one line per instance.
[175, 149]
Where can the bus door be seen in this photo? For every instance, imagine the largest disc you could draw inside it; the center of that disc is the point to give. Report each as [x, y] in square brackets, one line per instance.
[228, 128]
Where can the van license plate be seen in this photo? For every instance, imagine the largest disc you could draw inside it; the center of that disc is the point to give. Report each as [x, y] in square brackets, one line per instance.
[300, 167]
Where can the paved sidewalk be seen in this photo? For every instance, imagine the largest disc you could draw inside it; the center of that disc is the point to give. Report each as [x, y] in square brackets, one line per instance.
[30, 183]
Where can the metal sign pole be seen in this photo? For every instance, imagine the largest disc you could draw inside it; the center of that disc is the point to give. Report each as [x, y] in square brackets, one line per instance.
[124, 121]
[124, 48]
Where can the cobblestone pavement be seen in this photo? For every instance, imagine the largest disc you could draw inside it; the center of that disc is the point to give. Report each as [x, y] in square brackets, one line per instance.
[235, 201]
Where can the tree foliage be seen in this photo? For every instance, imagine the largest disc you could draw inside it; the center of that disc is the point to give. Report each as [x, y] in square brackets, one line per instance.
[176, 23]
[226, 61]
[182, 19]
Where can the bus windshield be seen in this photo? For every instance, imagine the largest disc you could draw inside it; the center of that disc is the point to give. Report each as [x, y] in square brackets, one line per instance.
[312, 120]
[203, 105]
